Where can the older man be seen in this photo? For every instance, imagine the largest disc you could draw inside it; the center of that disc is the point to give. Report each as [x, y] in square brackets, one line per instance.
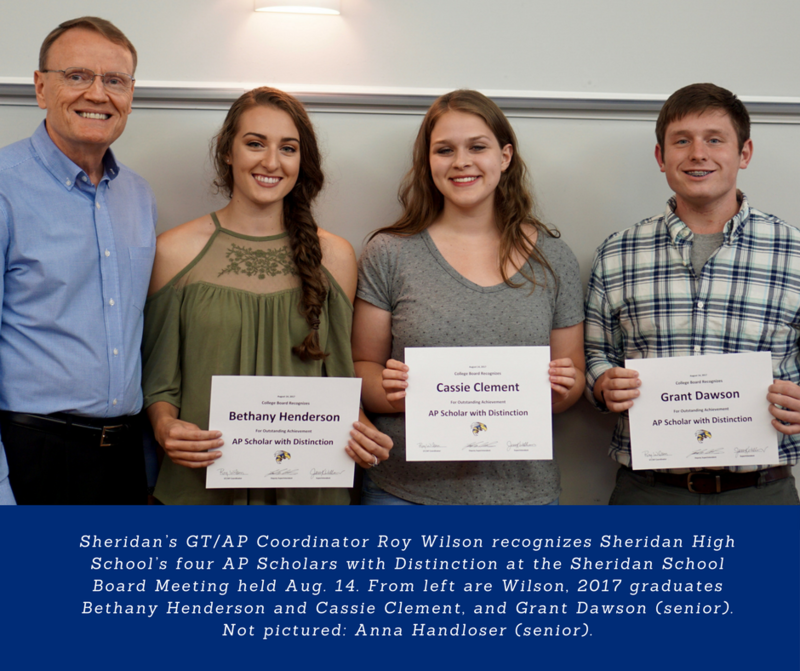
[77, 231]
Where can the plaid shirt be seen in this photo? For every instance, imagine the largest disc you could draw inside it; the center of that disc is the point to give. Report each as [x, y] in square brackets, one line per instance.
[644, 300]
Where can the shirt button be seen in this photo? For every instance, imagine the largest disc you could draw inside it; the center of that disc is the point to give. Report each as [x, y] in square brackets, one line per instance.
[700, 305]
[108, 253]
[697, 349]
[84, 178]
[114, 402]
[97, 205]
[116, 351]
[111, 302]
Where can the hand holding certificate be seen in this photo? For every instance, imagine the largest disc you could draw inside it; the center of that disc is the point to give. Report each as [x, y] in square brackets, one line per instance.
[478, 404]
[283, 431]
[703, 411]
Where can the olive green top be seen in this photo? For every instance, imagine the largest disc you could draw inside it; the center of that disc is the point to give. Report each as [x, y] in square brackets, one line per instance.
[234, 310]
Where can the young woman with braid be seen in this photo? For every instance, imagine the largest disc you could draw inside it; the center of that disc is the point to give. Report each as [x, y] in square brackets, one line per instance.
[253, 289]
[467, 264]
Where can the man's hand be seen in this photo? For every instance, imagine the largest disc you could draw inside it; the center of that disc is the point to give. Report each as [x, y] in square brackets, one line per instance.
[617, 388]
[786, 395]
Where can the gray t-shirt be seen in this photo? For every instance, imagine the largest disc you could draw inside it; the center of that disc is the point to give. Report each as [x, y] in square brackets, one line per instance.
[432, 305]
[703, 246]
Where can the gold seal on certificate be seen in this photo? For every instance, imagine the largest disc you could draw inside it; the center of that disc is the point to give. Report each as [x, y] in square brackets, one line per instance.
[703, 411]
[283, 431]
[478, 404]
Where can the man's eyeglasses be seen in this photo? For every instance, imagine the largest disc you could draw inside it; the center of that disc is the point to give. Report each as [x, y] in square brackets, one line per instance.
[81, 78]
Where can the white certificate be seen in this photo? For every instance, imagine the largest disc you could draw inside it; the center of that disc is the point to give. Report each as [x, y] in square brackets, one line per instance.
[703, 411]
[478, 404]
[283, 431]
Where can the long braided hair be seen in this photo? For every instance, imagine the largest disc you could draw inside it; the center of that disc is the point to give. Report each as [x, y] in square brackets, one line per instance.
[298, 218]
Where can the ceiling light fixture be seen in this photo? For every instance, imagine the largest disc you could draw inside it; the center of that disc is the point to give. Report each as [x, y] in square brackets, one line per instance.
[299, 6]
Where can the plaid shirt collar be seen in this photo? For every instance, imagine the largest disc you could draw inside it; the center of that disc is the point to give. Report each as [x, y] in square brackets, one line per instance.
[680, 233]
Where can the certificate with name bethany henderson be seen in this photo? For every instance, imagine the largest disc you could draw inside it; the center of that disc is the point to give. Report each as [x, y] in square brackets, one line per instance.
[703, 411]
[478, 404]
[282, 431]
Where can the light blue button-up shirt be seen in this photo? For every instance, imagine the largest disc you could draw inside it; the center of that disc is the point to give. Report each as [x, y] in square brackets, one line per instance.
[76, 267]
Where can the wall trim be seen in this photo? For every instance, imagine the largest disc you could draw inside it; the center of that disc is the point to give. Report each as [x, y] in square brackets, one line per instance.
[372, 100]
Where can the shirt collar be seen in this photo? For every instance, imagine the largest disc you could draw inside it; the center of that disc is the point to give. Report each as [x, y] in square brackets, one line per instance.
[60, 166]
[680, 232]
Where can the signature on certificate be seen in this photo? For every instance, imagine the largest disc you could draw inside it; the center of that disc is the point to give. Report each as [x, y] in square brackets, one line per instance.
[651, 454]
[430, 445]
[707, 451]
[511, 445]
[480, 443]
[282, 471]
[324, 473]
[224, 472]
[748, 450]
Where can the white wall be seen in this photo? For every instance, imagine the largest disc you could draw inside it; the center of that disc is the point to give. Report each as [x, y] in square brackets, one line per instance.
[593, 171]
[637, 46]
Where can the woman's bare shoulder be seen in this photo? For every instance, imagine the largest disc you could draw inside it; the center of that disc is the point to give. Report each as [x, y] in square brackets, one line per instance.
[339, 258]
[177, 248]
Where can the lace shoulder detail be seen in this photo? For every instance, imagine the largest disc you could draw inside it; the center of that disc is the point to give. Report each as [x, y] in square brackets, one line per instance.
[258, 262]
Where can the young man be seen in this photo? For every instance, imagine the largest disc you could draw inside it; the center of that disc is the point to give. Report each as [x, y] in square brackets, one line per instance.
[711, 275]
[77, 232]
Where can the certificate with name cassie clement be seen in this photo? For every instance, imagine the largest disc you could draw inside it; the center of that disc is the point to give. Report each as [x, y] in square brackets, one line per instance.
[703, 411]
[478, 404]
[282, 431]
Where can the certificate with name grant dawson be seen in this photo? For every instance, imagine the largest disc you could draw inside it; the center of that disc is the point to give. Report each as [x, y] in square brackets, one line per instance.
[703, 411]
[478, 404]
[282, 431]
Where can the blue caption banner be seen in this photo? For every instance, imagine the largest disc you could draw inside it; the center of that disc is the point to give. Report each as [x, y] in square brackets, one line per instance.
[157, 587]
